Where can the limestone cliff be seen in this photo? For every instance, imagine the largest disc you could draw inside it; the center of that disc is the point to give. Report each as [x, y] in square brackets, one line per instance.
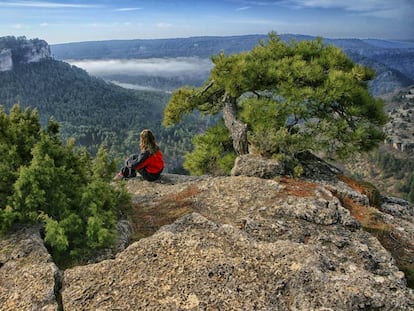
[240, 243]
[6, 62]
[36, 51]
[20, 50]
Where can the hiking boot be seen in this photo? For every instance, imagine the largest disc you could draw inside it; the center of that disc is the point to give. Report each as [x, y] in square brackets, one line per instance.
[118, 176]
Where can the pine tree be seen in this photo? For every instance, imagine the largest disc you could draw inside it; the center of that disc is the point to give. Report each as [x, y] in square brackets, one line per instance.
[283, 98]
[212, 152]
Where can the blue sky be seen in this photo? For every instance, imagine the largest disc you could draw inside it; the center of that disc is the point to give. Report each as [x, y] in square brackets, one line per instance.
[73, 21]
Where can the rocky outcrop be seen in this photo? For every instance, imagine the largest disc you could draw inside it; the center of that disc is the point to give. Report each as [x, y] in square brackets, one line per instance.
[20, 50]
[313, 167]
[29, 280]
[6, 62]
[35, 51]
[247, 244]
[237, 243]
[255, 165]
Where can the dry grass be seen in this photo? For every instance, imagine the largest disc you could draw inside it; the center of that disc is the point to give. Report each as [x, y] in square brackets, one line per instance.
[371, 221]
[364, 187]
[148, 218]
[298, 187]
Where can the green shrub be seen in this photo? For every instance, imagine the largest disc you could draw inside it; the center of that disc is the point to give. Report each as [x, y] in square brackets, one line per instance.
[59, 185]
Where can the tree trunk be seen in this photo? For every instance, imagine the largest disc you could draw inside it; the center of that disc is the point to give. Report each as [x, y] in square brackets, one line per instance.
[237, 128]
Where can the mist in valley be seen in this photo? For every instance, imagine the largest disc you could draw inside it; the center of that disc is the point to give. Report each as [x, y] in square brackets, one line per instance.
[161, 74]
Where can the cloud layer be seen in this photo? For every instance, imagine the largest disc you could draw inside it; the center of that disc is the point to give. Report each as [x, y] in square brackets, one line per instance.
[163, 67]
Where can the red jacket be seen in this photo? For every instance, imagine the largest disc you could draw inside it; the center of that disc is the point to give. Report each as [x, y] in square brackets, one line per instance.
[153, 164]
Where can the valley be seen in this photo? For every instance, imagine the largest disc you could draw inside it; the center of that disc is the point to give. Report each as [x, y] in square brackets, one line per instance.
[170, 63]
[105, 92]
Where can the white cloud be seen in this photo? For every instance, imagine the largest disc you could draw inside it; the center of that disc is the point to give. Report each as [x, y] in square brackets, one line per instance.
[18, 26]
[45, 4]
[377, 8]
[127, 9]
[133, 86]
[351, 5]
[243, 8]
[164, 25]
[254, 2]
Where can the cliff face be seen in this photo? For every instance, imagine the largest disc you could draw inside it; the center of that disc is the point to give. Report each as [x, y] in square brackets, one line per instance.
[244, 243]
[35, 51]
[6, 61]
[21, 51]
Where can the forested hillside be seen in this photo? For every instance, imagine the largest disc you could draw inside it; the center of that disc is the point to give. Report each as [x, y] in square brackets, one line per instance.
[93, 111]
[149, 48]
[391, 167]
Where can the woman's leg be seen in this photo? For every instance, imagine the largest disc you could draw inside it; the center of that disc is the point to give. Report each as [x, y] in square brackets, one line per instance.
[148, 176]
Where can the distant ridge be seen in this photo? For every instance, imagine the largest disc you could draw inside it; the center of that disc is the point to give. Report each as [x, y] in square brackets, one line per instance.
[150, 48]
[386, 44]
[204, 46]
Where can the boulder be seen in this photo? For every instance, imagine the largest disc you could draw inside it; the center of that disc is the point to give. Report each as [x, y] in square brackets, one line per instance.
[397, 207]
[29, 280]
[257, 166]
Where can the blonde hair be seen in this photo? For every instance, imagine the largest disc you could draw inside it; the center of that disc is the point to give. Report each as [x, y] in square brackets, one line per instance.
[147, 142]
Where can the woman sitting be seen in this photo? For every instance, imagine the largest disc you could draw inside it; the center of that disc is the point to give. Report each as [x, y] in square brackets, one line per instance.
[148, 163]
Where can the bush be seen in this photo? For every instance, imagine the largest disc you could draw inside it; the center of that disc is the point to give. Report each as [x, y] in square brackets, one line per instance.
[58, 185]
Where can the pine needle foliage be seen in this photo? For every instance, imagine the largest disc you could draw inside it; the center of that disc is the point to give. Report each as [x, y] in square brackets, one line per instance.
[56, 184]
[212, 152]
[295, 96]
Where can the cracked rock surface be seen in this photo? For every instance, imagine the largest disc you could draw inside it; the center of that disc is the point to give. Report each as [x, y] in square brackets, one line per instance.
[28, 277]
[248, 244]
[237, 243]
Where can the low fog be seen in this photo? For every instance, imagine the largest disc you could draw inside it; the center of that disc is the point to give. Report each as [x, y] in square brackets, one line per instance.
[151, 74]
[161, 67]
